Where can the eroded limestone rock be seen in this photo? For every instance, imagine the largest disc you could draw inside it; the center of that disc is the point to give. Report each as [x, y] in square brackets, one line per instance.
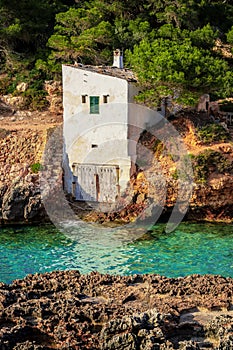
[67, 310]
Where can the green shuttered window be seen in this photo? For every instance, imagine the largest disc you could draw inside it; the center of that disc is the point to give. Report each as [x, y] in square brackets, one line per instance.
[94, 104]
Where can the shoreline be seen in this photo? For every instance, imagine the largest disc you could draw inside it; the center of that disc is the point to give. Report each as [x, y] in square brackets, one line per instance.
[112, 223]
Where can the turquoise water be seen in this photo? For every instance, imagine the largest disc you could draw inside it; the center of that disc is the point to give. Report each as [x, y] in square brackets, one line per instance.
[192, 248]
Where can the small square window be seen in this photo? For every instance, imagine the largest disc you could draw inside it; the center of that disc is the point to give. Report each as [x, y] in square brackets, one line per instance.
[105, 98]
[94, 105]
[84, 98]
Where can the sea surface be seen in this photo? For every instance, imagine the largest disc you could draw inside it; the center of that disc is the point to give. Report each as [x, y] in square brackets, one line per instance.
[191, 249]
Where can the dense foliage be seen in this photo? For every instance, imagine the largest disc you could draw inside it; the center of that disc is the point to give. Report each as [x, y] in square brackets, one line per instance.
[210, 161]
[212, 133]
[171, 45]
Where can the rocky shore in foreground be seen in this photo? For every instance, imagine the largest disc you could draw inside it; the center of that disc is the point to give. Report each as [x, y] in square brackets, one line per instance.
[67, 310]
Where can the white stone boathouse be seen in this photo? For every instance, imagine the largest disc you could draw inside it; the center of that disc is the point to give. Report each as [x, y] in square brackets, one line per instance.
[102, 125]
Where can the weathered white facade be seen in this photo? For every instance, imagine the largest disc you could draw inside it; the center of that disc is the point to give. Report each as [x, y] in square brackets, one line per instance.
[101, 129]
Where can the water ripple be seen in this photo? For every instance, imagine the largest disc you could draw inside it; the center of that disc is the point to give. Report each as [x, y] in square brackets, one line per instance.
[192, 248]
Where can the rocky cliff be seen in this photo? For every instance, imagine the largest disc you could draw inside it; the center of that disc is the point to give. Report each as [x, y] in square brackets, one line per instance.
[20, 155]
[157, 180]
[23, 137]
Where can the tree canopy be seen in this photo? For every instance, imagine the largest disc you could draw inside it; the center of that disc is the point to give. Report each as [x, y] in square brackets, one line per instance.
[170, 44]
[181, 63]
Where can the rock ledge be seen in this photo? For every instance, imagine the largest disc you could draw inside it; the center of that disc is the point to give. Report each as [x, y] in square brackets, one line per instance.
[67, 310]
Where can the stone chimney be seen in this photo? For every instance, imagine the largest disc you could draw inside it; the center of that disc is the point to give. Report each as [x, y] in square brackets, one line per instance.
[117, 59]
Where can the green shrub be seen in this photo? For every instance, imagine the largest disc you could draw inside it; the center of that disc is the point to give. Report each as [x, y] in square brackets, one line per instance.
[36, 167]
[158, 148]
[34, 97]
[208, 162]
[212, 133]
[6, 85]
[175, 175]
